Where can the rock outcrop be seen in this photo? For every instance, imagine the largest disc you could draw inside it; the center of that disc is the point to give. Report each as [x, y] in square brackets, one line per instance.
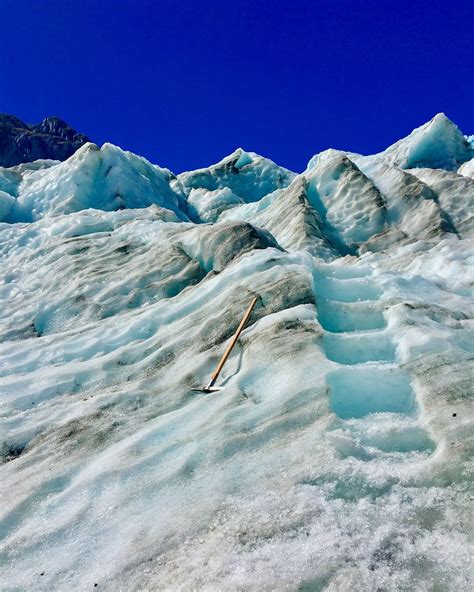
[51, 139]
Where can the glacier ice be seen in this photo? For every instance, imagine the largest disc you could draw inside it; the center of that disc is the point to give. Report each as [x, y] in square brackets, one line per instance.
[104, 179]
[205, 205]
[436, 144]
[248, 175]
[467, 169]
[336, 457]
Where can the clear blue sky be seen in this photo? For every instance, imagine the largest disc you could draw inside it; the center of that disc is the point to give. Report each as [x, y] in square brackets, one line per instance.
[186, 82]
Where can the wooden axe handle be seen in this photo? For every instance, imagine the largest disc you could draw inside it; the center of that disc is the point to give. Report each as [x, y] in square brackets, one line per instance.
[240, 328]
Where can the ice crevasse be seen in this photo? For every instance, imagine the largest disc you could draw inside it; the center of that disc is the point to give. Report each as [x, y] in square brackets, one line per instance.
[336, 457]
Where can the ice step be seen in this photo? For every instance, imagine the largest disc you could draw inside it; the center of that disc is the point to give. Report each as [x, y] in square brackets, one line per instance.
[342, 272]
[358, 348]
[401, 445]
[345, 290]
[341, 317]
[356, 392]
[390, 432]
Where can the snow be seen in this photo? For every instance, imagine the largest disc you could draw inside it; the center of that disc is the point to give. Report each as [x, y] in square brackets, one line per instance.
[6, 204]
[455, 195]
[436, 144]
[350, 206]
[105, 179]
[207, 206]
[248, 175]
[467, 169]
[337, 454]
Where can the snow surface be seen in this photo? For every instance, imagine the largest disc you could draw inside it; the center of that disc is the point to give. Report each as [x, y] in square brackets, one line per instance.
[436, 144]
[467, 169]
[337, 456]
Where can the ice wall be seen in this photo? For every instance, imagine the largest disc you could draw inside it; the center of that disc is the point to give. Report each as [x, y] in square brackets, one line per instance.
[336, 457]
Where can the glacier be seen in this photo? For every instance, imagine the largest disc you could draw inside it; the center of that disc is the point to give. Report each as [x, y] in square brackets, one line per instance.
[338, 455]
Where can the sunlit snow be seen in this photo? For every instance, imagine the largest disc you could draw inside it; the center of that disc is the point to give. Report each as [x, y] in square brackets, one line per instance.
[335, 458]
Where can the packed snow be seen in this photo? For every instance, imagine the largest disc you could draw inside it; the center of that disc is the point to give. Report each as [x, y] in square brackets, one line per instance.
[338, 454]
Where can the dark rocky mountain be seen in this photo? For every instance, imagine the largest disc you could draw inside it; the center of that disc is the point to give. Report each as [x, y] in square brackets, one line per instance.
[53, 139]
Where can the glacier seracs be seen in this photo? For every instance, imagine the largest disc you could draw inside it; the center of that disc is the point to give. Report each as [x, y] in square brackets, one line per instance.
[338, 454]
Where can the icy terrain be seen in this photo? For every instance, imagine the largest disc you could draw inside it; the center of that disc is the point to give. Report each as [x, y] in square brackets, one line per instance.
[337, 455]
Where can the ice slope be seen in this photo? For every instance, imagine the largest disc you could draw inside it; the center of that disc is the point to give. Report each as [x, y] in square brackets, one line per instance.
[336, 457]
[436, 144]
[248, 175]
[205, 205]
[467, 169]
[104, 179]
[335, 207]
[455, 195]
[289, 217]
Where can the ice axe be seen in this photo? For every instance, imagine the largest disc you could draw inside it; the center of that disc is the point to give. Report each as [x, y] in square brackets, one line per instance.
[210, 388]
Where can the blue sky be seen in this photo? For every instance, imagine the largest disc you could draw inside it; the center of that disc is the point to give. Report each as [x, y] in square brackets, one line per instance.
[185, 83]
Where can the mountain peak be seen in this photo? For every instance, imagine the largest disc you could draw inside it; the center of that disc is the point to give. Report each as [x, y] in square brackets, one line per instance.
[52, 139]
[58, 127]
[11, 120]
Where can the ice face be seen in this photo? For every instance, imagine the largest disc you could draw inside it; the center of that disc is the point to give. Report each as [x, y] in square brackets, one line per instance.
[6, 204]
[335, 186]
[206, 206]
[436, 144]
[103, 179]
[336, 456]
[455, 195]
[288, 215]
[248, 175]
[467, 169]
